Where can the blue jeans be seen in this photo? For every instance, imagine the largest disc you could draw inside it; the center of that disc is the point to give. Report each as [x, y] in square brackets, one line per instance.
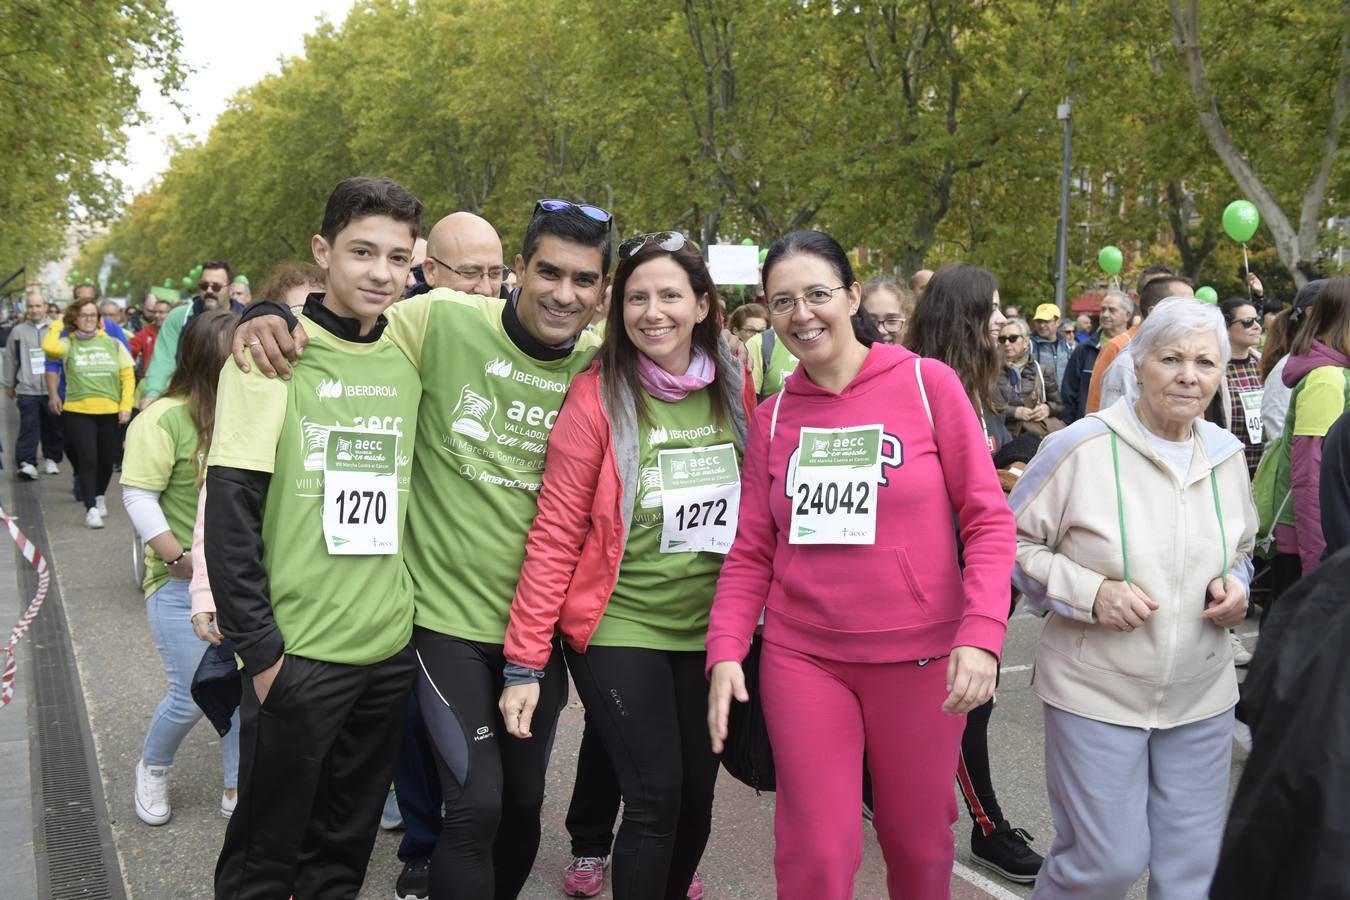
[169, 610]
[36, 421]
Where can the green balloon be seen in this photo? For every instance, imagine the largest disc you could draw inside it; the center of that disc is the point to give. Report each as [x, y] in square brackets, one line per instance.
[750, 242]
[70, 279]
[89, 281]
[1110, 259]
[241, 279]
[763, 255]
[75, 273]
[1240, 220]
[1207, 294]
[187, 284]
[168, 282]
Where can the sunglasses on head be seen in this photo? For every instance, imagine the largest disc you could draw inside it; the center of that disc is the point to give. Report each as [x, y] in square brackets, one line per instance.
[594, 213]
[669, 241]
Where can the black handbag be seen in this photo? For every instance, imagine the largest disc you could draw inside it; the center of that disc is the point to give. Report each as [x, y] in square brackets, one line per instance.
[746, 754]
[217, 685]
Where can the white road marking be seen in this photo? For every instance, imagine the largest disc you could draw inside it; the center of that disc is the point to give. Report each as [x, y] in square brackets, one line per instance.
[1008, 669]
[992, 888]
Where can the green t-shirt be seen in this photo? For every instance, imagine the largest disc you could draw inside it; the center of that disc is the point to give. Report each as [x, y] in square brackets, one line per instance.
[94, 368]
[769, 379]
[354, 610]
[661, 600]
[482, 434]
[161, 455]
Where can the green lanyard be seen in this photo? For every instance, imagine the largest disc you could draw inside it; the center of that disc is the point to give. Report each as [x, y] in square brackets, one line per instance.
[1120, 516]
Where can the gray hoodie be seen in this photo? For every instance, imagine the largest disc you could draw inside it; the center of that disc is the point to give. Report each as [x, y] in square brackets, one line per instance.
[25, 363]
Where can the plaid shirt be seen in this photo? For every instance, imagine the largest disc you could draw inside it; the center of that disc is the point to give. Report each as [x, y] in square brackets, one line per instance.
[1244, 375]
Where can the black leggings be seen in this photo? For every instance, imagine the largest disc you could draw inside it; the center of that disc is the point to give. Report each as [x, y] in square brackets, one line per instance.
[650, 708]
[492, 783]
[595, 797]
[92, 443]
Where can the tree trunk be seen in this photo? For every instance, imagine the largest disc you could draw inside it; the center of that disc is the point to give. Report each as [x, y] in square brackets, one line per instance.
[1293, 246]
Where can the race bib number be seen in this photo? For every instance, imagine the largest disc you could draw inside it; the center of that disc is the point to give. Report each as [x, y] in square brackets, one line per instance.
[700, 499]
[37, 361]
[834, 498]
[1251, 411]
[360, 492]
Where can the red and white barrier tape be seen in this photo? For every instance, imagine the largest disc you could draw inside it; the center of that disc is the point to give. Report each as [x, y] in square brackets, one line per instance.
[39, 562]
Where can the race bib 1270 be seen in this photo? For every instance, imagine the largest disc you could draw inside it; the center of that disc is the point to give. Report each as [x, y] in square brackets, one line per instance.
[834, 497]
[360, 492]
[700, 499]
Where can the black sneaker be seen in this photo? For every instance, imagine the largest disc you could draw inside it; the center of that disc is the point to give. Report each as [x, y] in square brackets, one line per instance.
[415, 881]
[1007, 852]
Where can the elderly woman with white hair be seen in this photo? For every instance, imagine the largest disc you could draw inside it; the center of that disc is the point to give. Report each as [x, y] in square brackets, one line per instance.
[1134, 534]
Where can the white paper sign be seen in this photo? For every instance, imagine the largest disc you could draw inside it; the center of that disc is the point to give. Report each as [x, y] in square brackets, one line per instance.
[733, 263]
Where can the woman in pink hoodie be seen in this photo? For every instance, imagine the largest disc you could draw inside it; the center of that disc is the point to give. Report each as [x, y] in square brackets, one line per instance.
[859, 479]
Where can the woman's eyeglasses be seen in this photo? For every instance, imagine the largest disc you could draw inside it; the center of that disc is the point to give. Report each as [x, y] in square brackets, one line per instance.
[669, 241]
[783, 305]
[594, 213]
[1247, 322]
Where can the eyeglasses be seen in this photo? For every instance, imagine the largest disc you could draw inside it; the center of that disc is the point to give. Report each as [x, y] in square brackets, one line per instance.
[890, 323]
[784, 305]
[210, 286]
[594, 213]
[473, 273]
[1247, 322]
[669, 241]
[82, 316]
[1009, 338]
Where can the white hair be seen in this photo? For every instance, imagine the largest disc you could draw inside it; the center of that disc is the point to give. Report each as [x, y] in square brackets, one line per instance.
[1176, 318]
[1125, 300]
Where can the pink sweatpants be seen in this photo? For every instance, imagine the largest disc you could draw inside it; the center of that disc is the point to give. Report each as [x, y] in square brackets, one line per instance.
[820, 714]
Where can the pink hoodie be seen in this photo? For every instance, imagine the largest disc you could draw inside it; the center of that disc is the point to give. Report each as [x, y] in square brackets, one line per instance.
[905, 597]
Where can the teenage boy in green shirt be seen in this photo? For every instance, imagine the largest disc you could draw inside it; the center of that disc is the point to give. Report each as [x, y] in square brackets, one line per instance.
[307, 492]
[495, 373]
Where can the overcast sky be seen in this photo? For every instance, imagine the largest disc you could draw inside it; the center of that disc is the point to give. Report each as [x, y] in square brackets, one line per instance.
[230, 46]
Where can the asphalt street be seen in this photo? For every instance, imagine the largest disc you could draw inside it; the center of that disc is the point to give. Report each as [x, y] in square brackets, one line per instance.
[123, 681]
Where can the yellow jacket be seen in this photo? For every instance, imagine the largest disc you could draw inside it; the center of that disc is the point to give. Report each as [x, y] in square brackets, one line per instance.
[57, 347]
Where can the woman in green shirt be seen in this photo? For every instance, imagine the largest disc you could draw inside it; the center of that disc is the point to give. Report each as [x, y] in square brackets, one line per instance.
[638, 508]
[161, 481]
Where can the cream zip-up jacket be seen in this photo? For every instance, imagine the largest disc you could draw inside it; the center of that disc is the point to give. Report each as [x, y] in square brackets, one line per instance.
[1177, 668]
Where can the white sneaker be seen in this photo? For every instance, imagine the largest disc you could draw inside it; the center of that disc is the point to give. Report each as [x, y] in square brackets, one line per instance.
[28, 470]
[51, 468]
[92, 519]
[228, 801]
[1243, 735]
[1241, 655]
[101, 505]
[152, 794]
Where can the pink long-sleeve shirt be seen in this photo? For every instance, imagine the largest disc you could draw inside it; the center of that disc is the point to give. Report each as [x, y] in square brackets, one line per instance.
[906, 596]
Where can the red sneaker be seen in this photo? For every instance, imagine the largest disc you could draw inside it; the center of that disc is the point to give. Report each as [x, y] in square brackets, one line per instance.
[585, 877]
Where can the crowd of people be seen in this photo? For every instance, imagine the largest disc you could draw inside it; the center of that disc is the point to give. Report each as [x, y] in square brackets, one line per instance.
[474, 480]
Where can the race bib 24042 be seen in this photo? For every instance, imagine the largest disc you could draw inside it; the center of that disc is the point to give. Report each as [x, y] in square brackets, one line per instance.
[834, 497]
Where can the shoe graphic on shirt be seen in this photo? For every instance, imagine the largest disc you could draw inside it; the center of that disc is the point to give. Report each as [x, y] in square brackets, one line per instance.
[473, 414]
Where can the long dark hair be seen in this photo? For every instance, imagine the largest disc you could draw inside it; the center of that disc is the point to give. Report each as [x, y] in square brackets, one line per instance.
[202, 351]
[1328, 319]
[618, 354]
[951, 324]
[818, 243]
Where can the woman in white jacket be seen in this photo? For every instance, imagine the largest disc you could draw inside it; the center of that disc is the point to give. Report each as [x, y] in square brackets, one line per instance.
[1134, 532]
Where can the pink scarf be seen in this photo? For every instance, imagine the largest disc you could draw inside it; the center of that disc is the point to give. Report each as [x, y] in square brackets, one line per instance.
[664, 386]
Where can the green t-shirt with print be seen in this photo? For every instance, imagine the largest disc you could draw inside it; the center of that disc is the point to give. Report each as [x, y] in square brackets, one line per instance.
[354, 610]
[94, 368]
[162, 455]
[661, 600]
[482, 434]
[769, 379]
